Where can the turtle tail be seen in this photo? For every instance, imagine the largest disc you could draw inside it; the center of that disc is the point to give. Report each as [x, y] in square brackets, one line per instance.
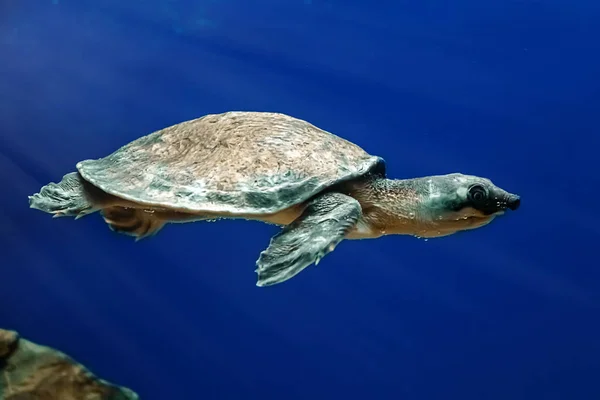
[71, 197]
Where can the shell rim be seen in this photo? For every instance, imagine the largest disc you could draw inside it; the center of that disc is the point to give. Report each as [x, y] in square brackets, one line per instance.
[375, 166]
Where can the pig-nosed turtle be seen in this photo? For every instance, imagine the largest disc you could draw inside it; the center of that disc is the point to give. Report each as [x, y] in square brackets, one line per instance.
[273, 168]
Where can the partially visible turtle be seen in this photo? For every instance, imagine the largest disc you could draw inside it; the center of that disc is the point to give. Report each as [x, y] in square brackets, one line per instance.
[273, 168]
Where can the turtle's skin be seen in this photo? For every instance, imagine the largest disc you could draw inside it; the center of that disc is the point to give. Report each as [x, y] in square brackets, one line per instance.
[273, 168]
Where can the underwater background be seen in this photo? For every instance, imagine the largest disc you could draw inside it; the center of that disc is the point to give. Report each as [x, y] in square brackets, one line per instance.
[508, 90]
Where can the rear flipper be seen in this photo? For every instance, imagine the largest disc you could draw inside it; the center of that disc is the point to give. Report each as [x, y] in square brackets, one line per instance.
[71, 197]
[133, 221]
[324, 223]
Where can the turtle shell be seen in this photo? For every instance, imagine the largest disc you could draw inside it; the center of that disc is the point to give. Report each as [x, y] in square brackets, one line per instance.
[231, 163]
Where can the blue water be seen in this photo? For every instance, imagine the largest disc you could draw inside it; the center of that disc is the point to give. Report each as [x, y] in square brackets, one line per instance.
[503, 89]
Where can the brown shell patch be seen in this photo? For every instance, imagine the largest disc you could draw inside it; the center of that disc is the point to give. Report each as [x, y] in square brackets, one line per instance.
[235, 162]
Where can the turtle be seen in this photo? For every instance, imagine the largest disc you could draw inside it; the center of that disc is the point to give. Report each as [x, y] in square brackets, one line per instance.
[271, 167]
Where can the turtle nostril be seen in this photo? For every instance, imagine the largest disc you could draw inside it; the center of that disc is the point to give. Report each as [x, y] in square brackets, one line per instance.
[514, 202]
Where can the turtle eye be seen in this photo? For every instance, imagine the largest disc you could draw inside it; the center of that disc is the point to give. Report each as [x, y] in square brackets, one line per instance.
[477, 193]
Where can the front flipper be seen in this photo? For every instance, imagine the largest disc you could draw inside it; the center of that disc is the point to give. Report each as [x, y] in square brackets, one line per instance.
[323, 224]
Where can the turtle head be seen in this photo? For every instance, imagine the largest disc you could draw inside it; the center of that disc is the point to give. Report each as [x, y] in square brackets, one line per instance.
[457, 202]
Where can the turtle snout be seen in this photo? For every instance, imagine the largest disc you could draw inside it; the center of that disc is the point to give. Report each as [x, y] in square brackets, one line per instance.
[513, 202]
